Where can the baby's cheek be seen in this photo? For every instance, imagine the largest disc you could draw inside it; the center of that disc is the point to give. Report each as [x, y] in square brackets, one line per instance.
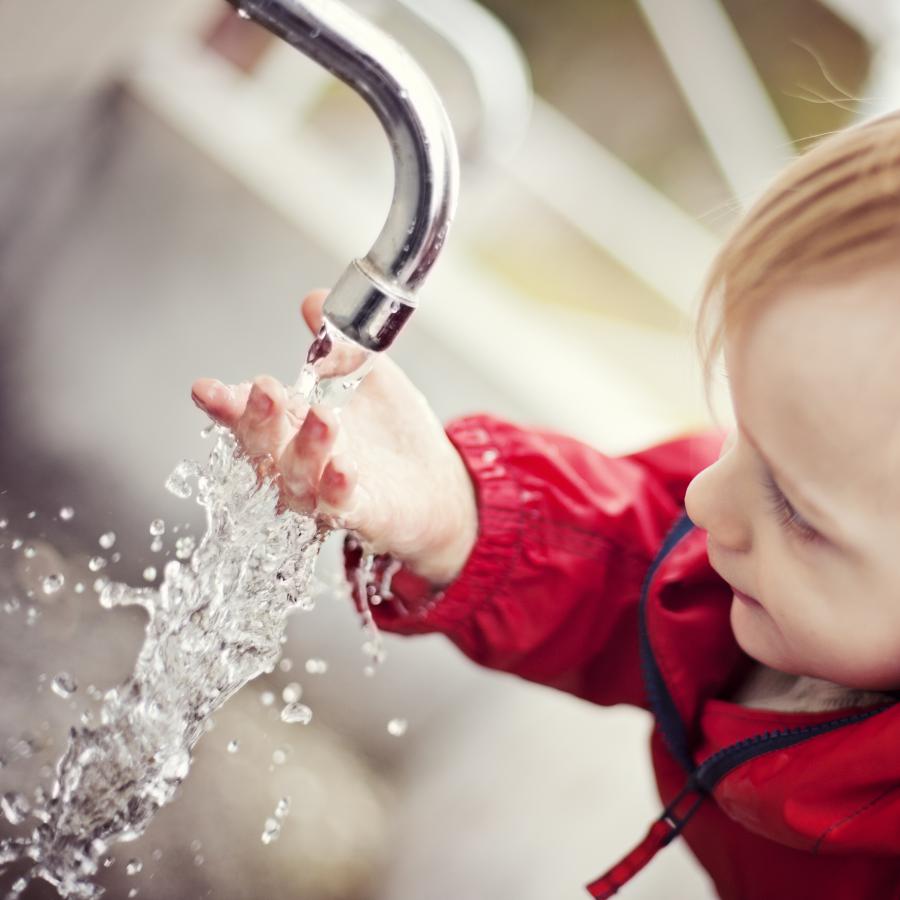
[860, 651]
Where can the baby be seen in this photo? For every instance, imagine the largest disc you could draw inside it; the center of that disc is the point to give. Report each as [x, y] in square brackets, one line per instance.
[746, 592]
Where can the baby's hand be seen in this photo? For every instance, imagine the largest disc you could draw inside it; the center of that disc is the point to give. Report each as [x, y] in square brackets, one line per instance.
[383, 467]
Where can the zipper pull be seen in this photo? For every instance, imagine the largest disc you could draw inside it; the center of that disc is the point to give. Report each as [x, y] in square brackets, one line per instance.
[662, 832]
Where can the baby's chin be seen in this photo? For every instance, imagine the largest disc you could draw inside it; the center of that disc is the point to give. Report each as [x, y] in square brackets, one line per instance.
[760, 638]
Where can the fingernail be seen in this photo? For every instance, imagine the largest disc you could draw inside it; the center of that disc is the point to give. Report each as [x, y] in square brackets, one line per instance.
[317, 428]
[198, 401]
[260, 402]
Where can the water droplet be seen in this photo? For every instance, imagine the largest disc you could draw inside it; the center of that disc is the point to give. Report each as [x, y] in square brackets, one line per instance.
[107, 539]
[133, 892]
[316, 666]
[271, 830]
[156, 855]
[100, 584]
[196, 846]
[149, 573]
[52, 583]
[315, 33]
[31, 616]
[369, 671]
[11, 605]
[79, 587]
[296, 714]
[17, 542]
[156, 544]
[178, 483]
[232, 747]
[292, 692]
[184, 547]
[96, 563]
[490, 456]
[279, 757]
[157, 527]
[32, 514]
[29, 552]
[64, 685]
[283, 807]
[198, 860]
[397, 727]
[177, 766]
[67, 513]
[243, 14]
[286, 664]
[15, 807]
[4, 523]
[108, 861]
[267, 698]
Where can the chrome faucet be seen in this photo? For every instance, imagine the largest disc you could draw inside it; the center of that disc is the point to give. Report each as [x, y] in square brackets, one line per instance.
[498, 69]
[375, 295]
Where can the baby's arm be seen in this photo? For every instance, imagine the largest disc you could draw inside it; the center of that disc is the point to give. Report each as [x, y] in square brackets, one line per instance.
[566, 536]
[539, 542]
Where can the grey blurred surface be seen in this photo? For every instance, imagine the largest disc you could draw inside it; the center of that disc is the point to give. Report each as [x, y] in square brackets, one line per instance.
[129, 266]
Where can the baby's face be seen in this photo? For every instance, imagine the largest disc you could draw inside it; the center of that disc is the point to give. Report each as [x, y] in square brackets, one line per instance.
[815, 385]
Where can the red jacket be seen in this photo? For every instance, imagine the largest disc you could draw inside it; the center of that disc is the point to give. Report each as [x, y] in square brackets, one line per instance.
[588, 576]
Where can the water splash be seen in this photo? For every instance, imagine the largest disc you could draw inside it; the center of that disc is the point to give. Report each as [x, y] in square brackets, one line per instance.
[213, 625]
[215, 622]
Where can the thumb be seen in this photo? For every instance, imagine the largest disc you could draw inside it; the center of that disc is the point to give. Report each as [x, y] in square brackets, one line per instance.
[311, 308]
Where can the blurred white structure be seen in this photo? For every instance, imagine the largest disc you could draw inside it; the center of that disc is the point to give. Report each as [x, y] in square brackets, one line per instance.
[507, 790]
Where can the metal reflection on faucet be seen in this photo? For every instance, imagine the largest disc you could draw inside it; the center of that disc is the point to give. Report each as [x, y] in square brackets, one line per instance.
[375, 295]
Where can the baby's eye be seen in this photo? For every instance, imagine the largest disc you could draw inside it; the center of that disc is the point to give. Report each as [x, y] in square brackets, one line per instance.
[789, 518]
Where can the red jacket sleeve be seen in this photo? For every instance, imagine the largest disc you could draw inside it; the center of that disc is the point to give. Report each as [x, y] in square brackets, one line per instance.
[566, 535]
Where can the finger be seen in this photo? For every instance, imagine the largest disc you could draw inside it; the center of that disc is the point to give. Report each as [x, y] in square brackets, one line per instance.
[304, 458]
[221, 402]
[337, 483]
[311, 308]
[261, 429]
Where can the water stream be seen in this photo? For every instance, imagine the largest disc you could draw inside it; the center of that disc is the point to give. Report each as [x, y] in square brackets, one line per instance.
[216, 621]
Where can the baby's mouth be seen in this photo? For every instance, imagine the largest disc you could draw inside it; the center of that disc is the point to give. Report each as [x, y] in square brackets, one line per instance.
[745, 598]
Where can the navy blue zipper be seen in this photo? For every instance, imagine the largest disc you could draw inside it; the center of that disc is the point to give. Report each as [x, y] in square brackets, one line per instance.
[661, 702]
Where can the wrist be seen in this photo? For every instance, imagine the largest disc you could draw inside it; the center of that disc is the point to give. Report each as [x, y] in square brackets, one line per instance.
[444, 559]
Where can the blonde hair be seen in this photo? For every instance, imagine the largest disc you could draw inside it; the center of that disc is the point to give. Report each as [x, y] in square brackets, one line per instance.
[833, 210]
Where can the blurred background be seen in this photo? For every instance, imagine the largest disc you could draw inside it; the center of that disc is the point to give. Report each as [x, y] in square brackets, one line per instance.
[172, 181]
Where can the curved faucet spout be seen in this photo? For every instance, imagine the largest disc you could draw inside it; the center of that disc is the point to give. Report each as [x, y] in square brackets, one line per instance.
[376, 295]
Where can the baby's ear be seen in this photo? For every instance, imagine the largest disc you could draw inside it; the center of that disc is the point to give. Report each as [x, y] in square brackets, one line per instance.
[311, 308]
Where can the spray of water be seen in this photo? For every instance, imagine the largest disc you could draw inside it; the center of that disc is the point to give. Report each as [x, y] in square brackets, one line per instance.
[215, 622]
